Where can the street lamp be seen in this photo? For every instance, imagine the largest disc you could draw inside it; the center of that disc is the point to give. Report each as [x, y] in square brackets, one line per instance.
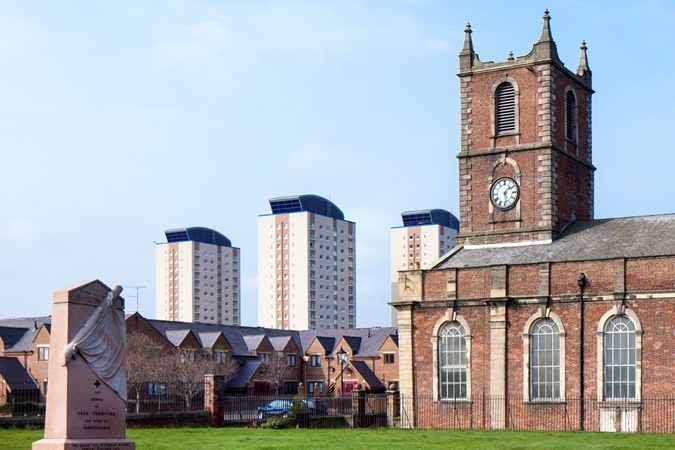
[305, 359]
[342, 359]
[328, 358]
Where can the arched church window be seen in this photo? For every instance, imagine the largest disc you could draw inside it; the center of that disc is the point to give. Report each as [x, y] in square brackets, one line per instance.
[544, 360]
[452, 361]
[505, 112]
[619, 365]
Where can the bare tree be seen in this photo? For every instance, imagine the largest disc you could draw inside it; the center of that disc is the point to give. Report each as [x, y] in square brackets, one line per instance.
[143, 354]
[276, 370]
[227, 367]
[185, 371]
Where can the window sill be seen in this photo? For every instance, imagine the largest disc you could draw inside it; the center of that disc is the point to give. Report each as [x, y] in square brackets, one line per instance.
[506, 134]
[552, 401]
[454, 400]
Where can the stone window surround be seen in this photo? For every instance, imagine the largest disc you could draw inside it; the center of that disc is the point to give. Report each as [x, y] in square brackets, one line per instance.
[450, 316]
[493, 110]
[572, 145]
[619, 310]
[540, 314]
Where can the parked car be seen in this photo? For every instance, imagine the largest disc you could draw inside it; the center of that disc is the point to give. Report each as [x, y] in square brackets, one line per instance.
[282, 407]
[275, 408]
[316, 407]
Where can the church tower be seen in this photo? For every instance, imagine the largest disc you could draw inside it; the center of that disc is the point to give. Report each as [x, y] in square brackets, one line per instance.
[525, 167]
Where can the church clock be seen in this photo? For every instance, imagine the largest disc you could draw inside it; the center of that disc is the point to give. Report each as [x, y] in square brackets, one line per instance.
[504, 193]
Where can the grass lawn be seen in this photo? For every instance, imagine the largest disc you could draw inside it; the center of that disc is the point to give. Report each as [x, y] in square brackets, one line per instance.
[386, 439]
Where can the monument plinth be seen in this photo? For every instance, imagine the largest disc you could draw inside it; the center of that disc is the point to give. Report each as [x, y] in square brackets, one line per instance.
[86, 398]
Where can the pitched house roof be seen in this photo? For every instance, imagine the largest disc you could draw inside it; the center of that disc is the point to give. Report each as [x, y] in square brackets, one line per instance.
[18, 333]
[587, 240]
[243, 375]
[15, 375]
[280, 342]
[208, 338]
[366, 373]
[253, 342]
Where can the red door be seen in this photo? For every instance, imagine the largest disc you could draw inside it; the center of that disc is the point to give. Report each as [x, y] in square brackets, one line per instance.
[348, 387]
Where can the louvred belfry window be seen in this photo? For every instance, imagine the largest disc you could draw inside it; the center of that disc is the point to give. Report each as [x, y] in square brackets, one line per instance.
[571, 117]
[505, 109]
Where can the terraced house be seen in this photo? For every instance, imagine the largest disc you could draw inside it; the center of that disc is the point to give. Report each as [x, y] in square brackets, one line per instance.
[330, 362]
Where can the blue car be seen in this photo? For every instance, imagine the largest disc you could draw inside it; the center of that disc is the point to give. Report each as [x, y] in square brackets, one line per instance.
[278, 408]
[281, 408]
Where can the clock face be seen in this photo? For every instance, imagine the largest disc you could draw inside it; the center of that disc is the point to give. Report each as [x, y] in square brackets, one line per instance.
[504, 193]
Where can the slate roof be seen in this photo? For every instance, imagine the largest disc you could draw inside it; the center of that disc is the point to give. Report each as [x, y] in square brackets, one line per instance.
[208, 338]
[18, 333]
[601, 239]
[233, 336]
[243, 339]
[243, 375]
[279, 342]
[252, 342]
[15, 375]
[176, 337]
[371, 339]
[366, 373]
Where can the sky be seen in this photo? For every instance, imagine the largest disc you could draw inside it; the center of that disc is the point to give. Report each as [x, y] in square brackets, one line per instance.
[122, 119]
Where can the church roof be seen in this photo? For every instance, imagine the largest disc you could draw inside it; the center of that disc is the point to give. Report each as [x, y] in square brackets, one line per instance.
[601, 239]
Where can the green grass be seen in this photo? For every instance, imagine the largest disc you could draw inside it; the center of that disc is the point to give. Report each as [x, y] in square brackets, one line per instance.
[386, 439]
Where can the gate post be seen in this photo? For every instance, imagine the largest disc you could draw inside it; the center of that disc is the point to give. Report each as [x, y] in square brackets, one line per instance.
[393, 405]
[213, 398]
[358, 407]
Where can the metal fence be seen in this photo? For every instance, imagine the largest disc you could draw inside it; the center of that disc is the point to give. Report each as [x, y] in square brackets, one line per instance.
[21, 398]
[316, 412]
[484, 412]
[159, 397]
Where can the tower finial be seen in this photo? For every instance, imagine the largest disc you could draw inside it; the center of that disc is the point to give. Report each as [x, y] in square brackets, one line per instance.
[466, 56]
[583, 60]
[583, 71]
[468, 43]
[546, 29]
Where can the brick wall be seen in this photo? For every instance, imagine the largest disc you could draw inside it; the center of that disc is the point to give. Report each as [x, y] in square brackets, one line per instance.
[653, 309]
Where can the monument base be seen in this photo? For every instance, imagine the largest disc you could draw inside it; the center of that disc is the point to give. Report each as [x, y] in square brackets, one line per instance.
[84, 444]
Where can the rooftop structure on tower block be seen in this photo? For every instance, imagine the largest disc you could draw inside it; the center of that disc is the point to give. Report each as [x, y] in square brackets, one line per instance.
[306, 266]
[197, 277]
[425, 236]
[539, 305]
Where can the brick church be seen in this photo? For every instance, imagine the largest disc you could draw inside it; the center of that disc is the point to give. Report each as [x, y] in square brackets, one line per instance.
[540, 305]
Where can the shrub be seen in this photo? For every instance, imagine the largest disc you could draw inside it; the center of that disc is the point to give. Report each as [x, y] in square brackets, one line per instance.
[276, 423]
[297, 406]
[28, 408]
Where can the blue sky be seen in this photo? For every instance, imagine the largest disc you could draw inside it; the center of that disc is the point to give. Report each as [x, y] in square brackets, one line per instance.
[119, 120]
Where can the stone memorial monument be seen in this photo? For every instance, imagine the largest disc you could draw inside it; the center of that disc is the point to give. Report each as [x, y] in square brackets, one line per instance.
[86, 399]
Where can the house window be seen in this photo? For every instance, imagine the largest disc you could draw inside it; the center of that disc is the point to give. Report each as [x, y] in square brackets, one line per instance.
[571, 117]
[156, 389]
[619, 380]
[544, 360]
[265, 358]
[452, 370]
[388, 358]
[290, 360]
[315, 361]
[505, 109]
[43, 353]
[290, 387]
[315, 387]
